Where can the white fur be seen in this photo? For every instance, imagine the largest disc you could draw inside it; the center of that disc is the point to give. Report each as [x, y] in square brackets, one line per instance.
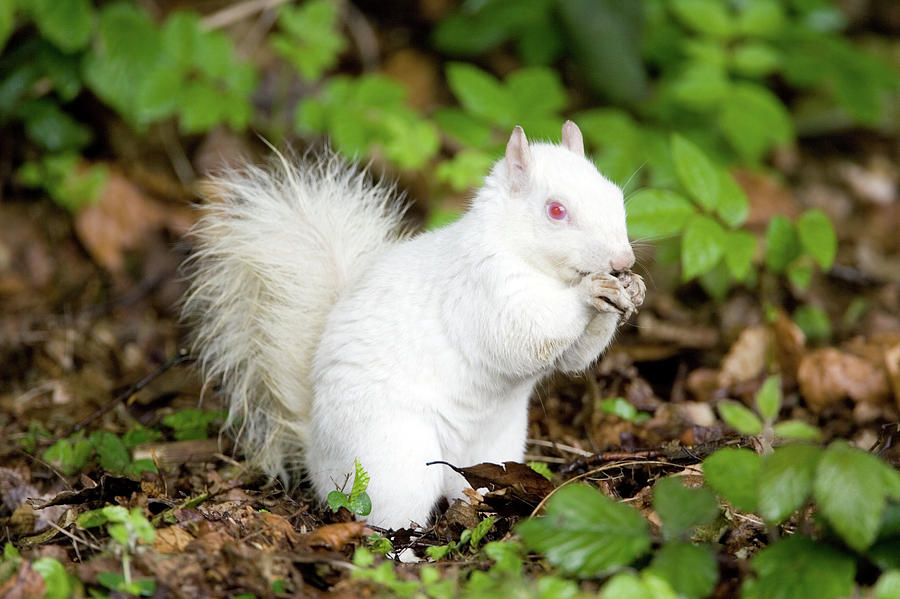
[431, 346]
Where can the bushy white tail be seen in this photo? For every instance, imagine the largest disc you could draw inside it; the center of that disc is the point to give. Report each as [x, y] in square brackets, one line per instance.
[272, 253]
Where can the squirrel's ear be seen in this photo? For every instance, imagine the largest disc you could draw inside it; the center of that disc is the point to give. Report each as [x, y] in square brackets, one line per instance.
[518, 160]
[572, 139]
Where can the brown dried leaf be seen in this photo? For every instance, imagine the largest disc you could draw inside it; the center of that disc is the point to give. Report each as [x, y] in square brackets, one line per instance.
[171, 539]
[335, 536]
[828, 375]
[25, 584]
[790, 347]
[746, 359]
[117, 222]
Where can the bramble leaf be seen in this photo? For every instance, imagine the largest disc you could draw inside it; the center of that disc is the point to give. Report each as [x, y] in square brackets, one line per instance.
[739, 417]
[786, 480]
[586, 533]
[734, 474]
[698, 175]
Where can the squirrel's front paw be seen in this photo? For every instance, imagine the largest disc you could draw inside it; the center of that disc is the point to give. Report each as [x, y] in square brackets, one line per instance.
[634, 286]
[609, 294]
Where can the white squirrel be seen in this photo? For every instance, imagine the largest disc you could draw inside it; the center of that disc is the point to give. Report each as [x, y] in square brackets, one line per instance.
[335, 335]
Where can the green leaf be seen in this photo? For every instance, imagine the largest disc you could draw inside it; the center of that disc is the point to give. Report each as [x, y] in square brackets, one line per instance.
[653, 213]
[716, 282]
[888, 585]
[481, 529]
[619, 406]
[92, 519]
[799, 273]
[115, 513]
[734, 474]
[755, 59]
[818, 237]
[681, 508]
[480, 93]
[541, 468]
[690, 570]
[141, 526]
[768, 398]
[604, 37]
[66, 23]
[537, 91]
[754, 120]
[761, 18]
[47, 125]
[627, 585]
[361, 504]
[128, 47]
[797, 429]
[360, 481]
[699, 176]
[739, 248]
[464, 127]
[709, 17]
[849, 489]
[739, 417]
[814, 322]
[782, 243]
[312, 43]
[113, 454]
[336, 500]
[7, 21]
[732, 205]
[56, 579]
[701, 86]
[800, 568]
[702, 246]
[160, 94]
[465, 170]
[586, 533]
[786, 479]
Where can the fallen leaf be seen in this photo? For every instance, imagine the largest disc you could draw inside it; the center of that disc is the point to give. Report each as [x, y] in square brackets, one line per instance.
[746, 359]
[26, 583]
[335, 536]
[790, 347]
[828, 375]
[171, 539]
[118, 221]
[513, 488]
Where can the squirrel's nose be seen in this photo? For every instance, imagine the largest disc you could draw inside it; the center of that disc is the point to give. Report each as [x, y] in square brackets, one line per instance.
[622, 261]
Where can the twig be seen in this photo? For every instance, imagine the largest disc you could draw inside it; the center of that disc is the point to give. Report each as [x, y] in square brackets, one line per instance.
[180, 357]
[560, 447]
[237, 12]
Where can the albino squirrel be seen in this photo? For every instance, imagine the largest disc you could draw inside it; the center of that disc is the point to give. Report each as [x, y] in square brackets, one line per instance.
[335, 335]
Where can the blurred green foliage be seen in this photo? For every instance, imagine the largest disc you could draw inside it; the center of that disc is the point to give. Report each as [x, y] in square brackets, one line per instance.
[677, 90]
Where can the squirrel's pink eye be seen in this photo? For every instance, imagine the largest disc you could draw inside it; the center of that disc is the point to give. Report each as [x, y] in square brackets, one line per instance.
[556, 211]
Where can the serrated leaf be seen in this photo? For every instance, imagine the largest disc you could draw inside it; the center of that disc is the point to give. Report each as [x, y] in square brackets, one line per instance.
[717, 281]
[739, 417]
[701, 246]
[818, 237]
[360, 481]
[113, 454]
[797, 429]
[586, 533]
[690, 570]
[653, 213]
[762, 18]
[479, 92]
[681, 508]
[734, 474]
[786, 479]
[464, 127]
[92, 519]
[739, 247]
[361, 504]
[697, 174]
[849, 489]
[782, 243]
[701, 86]
[481, 529]
[800, 568]
[768, 398]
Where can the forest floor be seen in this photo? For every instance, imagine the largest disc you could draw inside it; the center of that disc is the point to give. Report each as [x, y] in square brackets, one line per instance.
[89, 343]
